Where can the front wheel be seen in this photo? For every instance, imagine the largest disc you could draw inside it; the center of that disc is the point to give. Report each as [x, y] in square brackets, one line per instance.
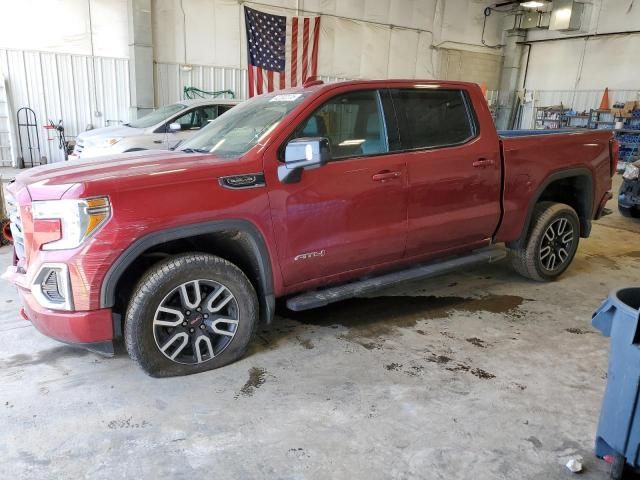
[551, 245]
[190, 313]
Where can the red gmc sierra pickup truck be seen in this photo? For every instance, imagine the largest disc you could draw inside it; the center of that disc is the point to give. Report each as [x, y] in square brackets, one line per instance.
[315, 194]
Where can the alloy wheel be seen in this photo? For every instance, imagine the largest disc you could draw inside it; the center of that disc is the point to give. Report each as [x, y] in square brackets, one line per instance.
[556, 245]
[196, 321]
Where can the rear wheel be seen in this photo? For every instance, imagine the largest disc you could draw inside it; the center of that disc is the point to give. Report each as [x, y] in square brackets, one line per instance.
[189, 314]
[551, 244]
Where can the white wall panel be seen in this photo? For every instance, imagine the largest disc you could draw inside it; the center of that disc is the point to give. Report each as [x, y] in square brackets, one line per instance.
[171, 80]
[471, 67]
[593, 63]
[350, 45]
[63, 26]
[62, 87]
[585, 64]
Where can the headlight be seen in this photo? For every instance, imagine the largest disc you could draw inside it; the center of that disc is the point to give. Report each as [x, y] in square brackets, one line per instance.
[631, 172]
[109, 142]
[78, 219]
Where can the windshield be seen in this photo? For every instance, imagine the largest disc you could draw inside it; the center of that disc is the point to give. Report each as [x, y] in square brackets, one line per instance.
[242, 127]
[157, 116]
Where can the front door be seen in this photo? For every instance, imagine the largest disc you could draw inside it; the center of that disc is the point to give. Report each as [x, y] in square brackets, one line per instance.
[350, 213]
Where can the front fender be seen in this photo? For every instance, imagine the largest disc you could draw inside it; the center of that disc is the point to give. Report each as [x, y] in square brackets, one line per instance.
[256, 244]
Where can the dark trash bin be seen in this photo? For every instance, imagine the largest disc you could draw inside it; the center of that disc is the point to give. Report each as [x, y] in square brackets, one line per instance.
[619, 426]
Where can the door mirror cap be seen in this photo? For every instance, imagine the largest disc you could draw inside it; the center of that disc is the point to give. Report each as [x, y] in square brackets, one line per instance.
[175, 127]
[303, 154]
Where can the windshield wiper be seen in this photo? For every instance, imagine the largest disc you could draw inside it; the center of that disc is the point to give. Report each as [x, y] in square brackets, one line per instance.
[194, 150]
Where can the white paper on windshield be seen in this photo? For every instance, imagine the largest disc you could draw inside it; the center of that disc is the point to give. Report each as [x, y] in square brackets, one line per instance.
[286, 97]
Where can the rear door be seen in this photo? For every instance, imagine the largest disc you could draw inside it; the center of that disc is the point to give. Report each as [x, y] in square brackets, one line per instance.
[350, 213]
[454, 170]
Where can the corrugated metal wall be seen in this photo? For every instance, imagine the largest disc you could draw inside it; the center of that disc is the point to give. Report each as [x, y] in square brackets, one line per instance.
[5, 126]
[72, 88]
[171, 80]
[578, 100]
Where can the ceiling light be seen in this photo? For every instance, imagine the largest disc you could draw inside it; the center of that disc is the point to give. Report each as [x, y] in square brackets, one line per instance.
[532, 4]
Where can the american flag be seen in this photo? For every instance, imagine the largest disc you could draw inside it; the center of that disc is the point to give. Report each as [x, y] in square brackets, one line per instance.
[282, 51]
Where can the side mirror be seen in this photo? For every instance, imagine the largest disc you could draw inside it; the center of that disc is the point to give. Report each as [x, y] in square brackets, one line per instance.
[303, 154]
[175, 127]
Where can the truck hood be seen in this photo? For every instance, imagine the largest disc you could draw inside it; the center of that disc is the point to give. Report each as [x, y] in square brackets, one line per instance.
[98, 135]
[51, 182]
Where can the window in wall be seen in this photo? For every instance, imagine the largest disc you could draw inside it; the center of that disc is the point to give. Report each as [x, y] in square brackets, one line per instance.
[351, 122]
[432, 117]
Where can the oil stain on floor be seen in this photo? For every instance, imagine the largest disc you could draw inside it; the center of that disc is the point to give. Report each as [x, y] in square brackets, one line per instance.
[50, 356]
[256, 380]
[381, 316]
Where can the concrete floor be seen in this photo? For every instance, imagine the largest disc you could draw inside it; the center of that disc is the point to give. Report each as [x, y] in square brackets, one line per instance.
[480, 374]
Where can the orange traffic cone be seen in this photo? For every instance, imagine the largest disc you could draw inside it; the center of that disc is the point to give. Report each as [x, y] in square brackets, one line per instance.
[483, 88]
[604, 104]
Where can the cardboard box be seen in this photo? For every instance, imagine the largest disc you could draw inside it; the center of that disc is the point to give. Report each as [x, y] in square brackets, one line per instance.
[625, 112]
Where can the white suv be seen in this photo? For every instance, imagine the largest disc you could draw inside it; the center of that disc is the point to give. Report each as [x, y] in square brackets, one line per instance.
[162, 129]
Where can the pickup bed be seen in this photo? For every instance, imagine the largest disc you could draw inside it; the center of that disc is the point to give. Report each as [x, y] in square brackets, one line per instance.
[315, 194]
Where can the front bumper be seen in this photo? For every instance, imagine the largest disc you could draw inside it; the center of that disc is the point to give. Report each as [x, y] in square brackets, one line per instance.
[92, 328]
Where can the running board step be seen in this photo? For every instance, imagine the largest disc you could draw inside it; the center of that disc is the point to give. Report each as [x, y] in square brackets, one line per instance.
[320, 298]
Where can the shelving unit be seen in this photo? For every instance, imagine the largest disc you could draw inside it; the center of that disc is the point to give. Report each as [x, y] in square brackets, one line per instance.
[602, 119]
[577, 120]
[629, 139]
[551, 118]
[555, 117]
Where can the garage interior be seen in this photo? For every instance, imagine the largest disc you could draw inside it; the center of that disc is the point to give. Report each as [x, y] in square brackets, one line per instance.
[478, 373]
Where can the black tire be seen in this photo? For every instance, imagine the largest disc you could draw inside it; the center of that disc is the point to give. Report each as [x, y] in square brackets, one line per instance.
[526, 256]
[629, 212]
[165, 279]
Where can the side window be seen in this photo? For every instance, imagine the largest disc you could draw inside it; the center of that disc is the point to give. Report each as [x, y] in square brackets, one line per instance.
[432, 117]
[196, 118]
[223, 108]
[208, 114]
[351, 122]
[187, 121]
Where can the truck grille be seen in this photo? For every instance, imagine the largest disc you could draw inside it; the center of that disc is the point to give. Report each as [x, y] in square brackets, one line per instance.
[16, 226]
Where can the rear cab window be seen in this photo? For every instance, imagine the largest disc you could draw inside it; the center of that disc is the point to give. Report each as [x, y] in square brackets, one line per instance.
[432, 118]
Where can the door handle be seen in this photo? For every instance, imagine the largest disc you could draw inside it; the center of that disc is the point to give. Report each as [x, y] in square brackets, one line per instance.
[483, 162]
[384, 176]
[157, 141]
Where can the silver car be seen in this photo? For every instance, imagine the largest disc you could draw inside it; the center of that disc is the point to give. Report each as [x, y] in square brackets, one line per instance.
[162, 129]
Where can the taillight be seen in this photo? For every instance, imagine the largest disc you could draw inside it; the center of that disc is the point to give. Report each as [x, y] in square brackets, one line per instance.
[614, 150]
